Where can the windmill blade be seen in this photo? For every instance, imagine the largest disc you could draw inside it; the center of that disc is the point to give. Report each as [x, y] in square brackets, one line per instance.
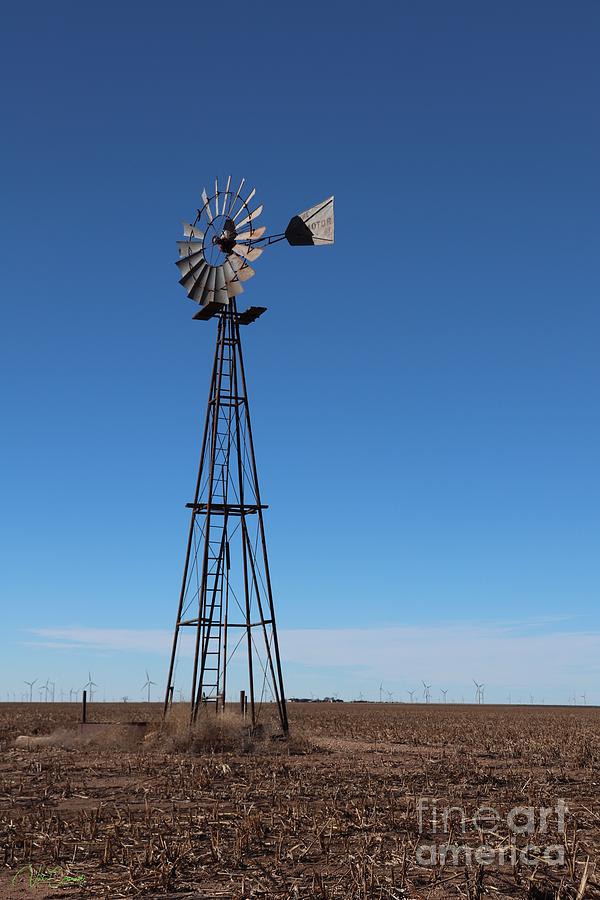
[220, 294]
[191, 275]
[250, 253]
[189, 279]
[209, 286]
[229, 271]
[312, 227]
[242, 269]
[253, 235]
[187, 248]
[206, 205]
[244, 204]
[226, 195]
[235, 196]
[219, 279]
[251, 217]
[196, 290]
[216, 197]
[234, 289]
[192, 231]
[188, 261]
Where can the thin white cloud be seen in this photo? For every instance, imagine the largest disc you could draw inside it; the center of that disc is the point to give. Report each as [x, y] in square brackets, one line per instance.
[496, 654]
[525, 655]
[129, 639]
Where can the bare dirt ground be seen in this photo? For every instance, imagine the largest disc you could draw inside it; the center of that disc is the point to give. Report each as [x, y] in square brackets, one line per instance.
[342, 811]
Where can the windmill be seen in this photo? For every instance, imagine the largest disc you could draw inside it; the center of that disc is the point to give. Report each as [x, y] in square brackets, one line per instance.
[426, 692]
[226, 597]
[479, 688]
[90, 685]
[31, 684]
[411, 694]
[148, 684]
[444, 693]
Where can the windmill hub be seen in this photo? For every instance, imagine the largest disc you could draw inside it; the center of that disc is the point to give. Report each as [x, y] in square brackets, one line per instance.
[226, 240]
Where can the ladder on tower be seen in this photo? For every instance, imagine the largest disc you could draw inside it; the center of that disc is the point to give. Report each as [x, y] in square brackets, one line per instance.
[210, 686]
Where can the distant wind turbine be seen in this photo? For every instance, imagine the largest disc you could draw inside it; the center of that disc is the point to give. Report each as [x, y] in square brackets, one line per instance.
[91, 685]
[31, 684]
[426, 692]
[444, 692]
[479, 691]
[148, 684]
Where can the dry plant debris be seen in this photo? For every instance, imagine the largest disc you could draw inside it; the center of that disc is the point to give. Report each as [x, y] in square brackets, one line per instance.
[331, 814]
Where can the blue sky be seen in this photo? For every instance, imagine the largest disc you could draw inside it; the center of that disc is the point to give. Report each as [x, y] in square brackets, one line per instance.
[424, 393]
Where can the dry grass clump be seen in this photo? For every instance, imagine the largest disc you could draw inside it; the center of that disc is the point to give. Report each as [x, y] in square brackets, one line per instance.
[109, 737]
[222, 732]
[225, 732]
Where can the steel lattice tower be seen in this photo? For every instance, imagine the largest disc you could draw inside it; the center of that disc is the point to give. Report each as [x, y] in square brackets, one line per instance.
[227, 509]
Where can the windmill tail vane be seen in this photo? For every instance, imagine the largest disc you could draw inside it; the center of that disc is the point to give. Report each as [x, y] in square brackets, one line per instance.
[226, 599]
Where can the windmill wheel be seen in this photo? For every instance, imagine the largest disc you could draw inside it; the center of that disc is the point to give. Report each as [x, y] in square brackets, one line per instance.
[219, 245]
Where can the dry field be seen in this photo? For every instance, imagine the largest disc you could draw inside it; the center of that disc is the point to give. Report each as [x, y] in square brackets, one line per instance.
[333, 813]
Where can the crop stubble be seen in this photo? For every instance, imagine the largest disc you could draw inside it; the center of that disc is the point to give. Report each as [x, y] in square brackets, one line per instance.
[332, 814]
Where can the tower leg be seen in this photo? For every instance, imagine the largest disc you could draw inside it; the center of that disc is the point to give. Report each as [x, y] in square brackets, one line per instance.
[277, 676]
[186, 568]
